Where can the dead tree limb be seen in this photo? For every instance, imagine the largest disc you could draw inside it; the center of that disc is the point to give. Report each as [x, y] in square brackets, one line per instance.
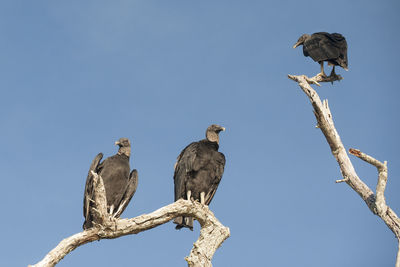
[376, 203]
[320, 79]
[212, 233]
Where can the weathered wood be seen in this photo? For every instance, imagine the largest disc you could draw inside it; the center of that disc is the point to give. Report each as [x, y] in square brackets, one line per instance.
[212, 233]
[380, 202]
[318, 79]
[376, 203]
[398, 255]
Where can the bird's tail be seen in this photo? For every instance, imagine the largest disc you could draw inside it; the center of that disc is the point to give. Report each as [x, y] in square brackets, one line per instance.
[343, 64]
[184, 222]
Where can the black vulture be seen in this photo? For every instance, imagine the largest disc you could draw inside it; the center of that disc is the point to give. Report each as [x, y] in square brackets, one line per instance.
[119, 184]
[323, 46]
[198, 171]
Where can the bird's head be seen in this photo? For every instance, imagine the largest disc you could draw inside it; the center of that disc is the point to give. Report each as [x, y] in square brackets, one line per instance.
[213, 131]
[301, 40]
[124, 146]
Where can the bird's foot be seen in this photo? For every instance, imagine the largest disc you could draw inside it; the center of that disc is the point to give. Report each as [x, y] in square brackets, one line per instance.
[112, 223]
[111, 210]
[119, 210]
[334, 77]
[322, 75]
[202, 198]
[97, 225]
[189, 195]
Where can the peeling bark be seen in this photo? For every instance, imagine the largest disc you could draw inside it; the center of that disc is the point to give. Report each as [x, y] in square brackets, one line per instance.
[376, 203]
[212, 233]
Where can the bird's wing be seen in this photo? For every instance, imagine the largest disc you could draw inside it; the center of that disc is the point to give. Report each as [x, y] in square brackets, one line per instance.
[337, 38]
[333, 43]
[101, 164]
[129, 192]
[115, 172]
[88, 194]
[219, 171]
[184, 165]
[341, 44]
[321, 47]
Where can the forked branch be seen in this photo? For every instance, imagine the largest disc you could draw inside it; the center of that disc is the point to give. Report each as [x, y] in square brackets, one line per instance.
[376, 203]
[380, 202]
[212, 233]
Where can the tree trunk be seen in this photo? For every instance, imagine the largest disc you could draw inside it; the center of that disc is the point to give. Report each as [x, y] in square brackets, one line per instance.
[376, 203]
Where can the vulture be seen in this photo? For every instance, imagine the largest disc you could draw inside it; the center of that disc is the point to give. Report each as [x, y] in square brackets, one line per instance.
[198, 171]
[119, 183]
[323, 46]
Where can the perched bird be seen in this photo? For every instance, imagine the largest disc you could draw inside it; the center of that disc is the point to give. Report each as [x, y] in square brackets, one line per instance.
[119, 184]
[198, 171]
[323, 46]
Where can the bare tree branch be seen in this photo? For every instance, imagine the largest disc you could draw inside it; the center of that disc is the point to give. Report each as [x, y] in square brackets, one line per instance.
[319, 78]
[380, 202]
[212, 233]
[398, 255]
[376, 203]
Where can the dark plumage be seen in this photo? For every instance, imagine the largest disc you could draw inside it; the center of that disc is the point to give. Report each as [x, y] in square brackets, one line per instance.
[323, 46]
[198, 171]
[119, 184]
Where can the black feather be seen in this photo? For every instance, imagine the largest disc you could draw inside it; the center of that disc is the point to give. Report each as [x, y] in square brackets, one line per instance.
[323, 46]
[119, 184]
[199, 168]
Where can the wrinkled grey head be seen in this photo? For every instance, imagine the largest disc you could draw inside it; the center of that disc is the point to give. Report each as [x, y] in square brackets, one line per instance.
[123, 142]
[124, 146]
[301, 40]
[213, 131]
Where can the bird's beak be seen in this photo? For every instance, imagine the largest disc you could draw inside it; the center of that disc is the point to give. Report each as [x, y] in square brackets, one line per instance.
[296, 45]
[117, 143]
[223, 128]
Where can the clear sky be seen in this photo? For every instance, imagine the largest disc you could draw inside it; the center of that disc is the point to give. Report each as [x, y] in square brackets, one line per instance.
[77, 75]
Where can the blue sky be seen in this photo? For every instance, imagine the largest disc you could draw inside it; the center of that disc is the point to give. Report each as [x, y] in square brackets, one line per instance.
[78, 75]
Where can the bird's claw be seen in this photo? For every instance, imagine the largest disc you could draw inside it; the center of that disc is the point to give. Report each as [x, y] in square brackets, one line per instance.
[335, 77]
